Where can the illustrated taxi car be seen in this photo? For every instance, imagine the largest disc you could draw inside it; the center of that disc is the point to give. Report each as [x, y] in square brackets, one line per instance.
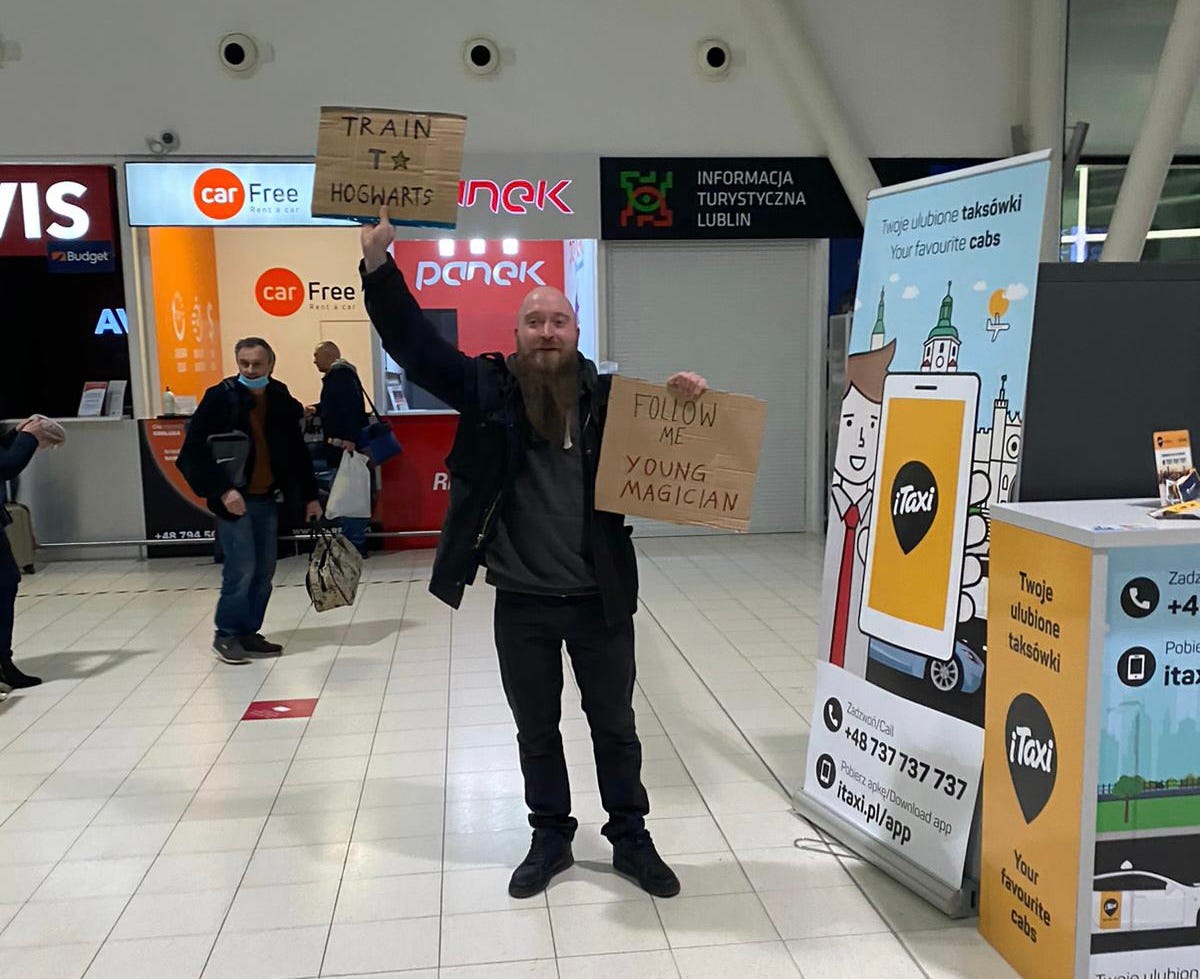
[1138, 900]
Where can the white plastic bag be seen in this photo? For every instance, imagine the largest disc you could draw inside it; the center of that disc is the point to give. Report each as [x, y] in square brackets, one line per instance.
[350, 495]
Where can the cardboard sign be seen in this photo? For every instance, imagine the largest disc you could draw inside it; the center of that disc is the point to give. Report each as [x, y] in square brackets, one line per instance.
[410, 161]
[686, 462]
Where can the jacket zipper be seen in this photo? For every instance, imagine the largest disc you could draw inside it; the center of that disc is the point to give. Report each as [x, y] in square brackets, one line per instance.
[487, 519]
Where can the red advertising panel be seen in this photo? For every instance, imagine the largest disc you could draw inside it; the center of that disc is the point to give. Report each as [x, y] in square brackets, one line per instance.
[41, 206]
[485, 286]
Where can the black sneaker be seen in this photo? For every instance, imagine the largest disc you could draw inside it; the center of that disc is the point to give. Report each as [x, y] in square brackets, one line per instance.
[636, 858]
[257, 643]
[12, 677]
[549, 854]
[229, 650]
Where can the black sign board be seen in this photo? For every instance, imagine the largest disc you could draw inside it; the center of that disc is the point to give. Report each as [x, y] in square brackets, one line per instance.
[682, 198]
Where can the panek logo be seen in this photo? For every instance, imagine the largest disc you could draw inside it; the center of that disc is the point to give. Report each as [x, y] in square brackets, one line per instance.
[516, 196]
[457, 273]
[73, 221]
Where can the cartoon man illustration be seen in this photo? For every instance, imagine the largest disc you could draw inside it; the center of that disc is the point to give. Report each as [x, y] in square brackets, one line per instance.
[851, 491]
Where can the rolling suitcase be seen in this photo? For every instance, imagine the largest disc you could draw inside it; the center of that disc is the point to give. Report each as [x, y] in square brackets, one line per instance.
[20, 536]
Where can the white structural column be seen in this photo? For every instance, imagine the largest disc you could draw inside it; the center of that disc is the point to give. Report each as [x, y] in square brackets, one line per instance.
[1047, 101]
[803, 78]
[1174, 85]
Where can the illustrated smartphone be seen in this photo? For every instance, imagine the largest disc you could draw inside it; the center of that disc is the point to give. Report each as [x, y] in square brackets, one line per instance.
[914, 561]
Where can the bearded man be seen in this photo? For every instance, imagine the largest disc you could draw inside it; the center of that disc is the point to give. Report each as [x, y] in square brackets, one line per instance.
[522, 503]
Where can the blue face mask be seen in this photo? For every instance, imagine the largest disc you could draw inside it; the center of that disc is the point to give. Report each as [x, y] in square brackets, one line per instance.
[254, 384]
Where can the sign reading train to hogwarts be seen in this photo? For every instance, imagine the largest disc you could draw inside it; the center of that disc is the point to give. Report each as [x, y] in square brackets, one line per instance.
[409, 161]
[687, 462]
[670, 198]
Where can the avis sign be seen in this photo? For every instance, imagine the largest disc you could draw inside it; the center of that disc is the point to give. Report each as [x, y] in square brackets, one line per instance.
[41, 206]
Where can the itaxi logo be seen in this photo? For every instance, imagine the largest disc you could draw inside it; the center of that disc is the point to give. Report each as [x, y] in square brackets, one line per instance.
[646, 199]
[281, 292]
[219, 194]
[1032, 756]
[914, 504]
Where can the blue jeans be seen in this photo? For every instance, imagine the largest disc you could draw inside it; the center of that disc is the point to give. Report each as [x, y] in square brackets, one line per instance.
[250, 544]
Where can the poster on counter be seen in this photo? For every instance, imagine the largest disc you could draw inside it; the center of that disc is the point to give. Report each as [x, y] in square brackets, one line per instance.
[1040, 606]
[173, 512]
[930, 438]
[1145, 902]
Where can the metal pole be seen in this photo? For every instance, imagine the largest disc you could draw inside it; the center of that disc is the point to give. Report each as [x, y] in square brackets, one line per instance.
[1161, 125]
[1047, 107]
[813, 100]
[146, 542]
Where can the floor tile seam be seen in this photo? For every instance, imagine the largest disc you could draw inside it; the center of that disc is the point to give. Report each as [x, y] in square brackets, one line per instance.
[757, 754]
[823, 838]
[91, 823]
[291, 761]
[363, 783]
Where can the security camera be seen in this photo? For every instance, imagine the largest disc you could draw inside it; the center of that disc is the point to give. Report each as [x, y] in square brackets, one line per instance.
[714, 57]
[162, 142]
[481, 56]
[239, 53]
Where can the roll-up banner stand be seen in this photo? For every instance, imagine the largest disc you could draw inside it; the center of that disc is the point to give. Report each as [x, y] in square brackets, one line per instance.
[930, 438]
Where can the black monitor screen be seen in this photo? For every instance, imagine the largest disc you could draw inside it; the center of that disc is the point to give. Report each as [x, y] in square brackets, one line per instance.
[1115, 358]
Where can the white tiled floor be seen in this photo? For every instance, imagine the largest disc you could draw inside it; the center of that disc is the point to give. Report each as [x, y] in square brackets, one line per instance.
[146, 831]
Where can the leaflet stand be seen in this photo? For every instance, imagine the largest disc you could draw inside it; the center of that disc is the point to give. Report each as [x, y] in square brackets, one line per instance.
[1091, 789]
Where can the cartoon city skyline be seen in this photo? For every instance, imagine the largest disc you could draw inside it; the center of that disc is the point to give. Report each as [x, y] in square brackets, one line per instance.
[997, 448]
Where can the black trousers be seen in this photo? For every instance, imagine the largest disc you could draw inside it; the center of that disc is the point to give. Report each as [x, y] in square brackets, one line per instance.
[10, 578]
[530, 632]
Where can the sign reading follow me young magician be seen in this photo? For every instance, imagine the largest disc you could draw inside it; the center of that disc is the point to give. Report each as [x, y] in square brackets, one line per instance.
[930, 437]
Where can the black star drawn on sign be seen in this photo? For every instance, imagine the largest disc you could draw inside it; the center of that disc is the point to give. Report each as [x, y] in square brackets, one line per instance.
[400, 161]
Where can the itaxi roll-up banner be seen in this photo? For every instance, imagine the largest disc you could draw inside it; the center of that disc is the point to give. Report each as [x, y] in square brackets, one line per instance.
[930, 438]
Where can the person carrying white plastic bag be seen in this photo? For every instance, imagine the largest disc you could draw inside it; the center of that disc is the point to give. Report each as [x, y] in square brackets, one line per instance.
[350, 495]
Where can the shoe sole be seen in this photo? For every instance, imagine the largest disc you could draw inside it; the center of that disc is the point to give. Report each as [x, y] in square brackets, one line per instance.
[670, 891]
[558, 868]
[230, 660]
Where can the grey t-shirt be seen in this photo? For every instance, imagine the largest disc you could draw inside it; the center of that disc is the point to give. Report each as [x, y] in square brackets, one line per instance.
[540, 546]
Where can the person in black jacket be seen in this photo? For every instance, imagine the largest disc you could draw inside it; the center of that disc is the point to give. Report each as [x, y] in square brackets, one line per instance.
[343, 418]
[246, 506]
[16, 450]
[522, 502]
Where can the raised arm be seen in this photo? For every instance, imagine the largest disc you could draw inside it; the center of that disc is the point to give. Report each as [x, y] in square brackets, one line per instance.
[411, 340]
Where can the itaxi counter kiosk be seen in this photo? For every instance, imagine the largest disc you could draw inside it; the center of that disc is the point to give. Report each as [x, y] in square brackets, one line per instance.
[230, 249]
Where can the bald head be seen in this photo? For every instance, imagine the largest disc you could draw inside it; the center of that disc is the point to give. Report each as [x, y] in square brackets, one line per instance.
[325, 354]
[547, 332]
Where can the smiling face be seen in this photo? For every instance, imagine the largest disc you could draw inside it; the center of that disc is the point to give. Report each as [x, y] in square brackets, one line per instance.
[858, 439]
[547, 333]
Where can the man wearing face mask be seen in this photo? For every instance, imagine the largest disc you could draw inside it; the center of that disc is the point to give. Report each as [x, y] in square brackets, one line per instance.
[245, 504]
[522, 502]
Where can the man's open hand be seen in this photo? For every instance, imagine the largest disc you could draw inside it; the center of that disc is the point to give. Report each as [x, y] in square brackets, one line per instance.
[687, 385]
[376, 239]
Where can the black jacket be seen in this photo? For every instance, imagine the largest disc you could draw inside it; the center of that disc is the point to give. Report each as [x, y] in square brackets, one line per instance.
[226, 407]
[341, 407]
[16, 449]
[489, 447]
